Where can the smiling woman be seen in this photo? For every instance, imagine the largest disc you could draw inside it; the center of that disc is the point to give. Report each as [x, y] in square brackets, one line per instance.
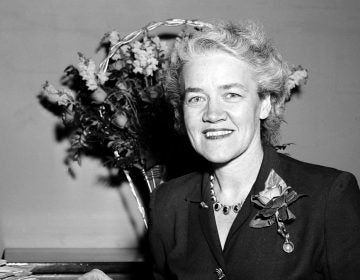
[222, 110]
[253, 213]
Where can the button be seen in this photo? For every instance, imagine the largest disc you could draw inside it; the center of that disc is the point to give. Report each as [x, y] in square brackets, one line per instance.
[203, 204]
[220, 274]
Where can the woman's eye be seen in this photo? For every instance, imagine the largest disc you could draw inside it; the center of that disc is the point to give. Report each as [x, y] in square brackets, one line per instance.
[232, 95]
[195, 99]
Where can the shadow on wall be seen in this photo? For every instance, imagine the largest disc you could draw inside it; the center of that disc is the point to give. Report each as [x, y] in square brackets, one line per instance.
[1, 243]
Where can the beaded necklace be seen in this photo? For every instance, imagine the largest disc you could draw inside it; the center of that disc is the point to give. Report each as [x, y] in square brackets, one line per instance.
[226, 209]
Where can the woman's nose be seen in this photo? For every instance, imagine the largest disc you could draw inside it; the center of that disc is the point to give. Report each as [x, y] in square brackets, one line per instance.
[214, 112]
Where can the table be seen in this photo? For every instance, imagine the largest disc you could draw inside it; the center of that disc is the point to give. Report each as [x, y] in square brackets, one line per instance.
[70, 263]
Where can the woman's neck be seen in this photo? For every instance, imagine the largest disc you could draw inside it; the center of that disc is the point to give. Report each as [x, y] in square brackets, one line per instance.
[234, 180]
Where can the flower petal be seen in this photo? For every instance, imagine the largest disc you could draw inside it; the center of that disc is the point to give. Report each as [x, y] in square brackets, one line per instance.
[291, 216]
[263, 199]
[255, 199]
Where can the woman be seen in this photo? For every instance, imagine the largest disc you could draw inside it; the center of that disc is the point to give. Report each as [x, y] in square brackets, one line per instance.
[254, 213]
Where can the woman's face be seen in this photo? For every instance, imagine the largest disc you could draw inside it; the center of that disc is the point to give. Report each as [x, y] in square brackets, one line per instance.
[222, 109]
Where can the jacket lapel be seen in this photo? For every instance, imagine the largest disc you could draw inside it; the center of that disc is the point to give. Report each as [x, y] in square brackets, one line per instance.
[208, 226]
[206, 219]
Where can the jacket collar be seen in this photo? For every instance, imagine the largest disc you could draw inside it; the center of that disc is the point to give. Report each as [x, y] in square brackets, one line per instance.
[196, 193]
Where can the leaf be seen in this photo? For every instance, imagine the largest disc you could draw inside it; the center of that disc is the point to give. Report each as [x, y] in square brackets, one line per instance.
[291, 216]
[283, 146]
[71, 172]
[78, 159]
[267, 212]
[283, 215]
[260, 223]
[276, 202]
[292, 196]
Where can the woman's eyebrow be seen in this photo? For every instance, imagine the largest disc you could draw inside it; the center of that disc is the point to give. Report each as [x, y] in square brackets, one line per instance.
[232, 85]
[222, 87]
[192, 89]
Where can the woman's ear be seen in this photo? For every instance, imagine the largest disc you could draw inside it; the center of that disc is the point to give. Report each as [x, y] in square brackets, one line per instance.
[265, 107]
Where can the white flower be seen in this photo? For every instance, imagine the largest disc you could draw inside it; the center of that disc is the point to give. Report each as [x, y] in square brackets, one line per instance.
[116, 55]
[114, 37]
[291, 84]
[297, 77]
[145, 60]
[62, 98]
[136, 46]
[125, 49]
[67, 97]
[137, 67]
[87, 68]
[103, 77]
[91, 84]
[70, 93]
[50, 93]
[149, 48]
[151, 66]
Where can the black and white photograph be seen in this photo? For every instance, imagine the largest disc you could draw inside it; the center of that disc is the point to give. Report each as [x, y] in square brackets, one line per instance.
[180, 140]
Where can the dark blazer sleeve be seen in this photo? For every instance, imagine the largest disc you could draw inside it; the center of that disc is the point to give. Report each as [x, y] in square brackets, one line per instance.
[157, 246]
[158, 253]
[342, 229]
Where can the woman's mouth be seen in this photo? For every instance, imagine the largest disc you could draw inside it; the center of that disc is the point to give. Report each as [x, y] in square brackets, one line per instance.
[213, 134]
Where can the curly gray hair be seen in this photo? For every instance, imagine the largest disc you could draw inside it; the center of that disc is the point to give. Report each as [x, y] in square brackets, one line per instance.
[247, 42]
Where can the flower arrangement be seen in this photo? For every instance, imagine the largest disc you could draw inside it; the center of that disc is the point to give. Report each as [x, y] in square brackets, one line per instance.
[118, 111]
[112, 108]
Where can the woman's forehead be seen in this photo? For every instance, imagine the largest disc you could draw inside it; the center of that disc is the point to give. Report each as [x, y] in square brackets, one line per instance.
[221, 69]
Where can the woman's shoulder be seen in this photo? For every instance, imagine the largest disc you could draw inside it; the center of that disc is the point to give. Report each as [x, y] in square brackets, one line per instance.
[312, 176]
[168, 204]
[329, 210]
[306, 167]
[175, 190]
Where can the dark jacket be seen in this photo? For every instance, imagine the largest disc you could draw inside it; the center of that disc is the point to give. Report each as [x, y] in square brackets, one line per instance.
[326, 231]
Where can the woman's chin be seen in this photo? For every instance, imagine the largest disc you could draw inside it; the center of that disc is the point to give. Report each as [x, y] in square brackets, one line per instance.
[218, 158]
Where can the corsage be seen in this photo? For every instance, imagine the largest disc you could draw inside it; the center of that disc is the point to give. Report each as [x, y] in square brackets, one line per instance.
[274, 201]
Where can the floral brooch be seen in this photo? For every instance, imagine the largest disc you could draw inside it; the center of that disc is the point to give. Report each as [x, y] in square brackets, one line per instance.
[274, 201]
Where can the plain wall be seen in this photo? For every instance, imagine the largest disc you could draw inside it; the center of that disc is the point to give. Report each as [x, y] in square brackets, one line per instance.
[41, 206]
